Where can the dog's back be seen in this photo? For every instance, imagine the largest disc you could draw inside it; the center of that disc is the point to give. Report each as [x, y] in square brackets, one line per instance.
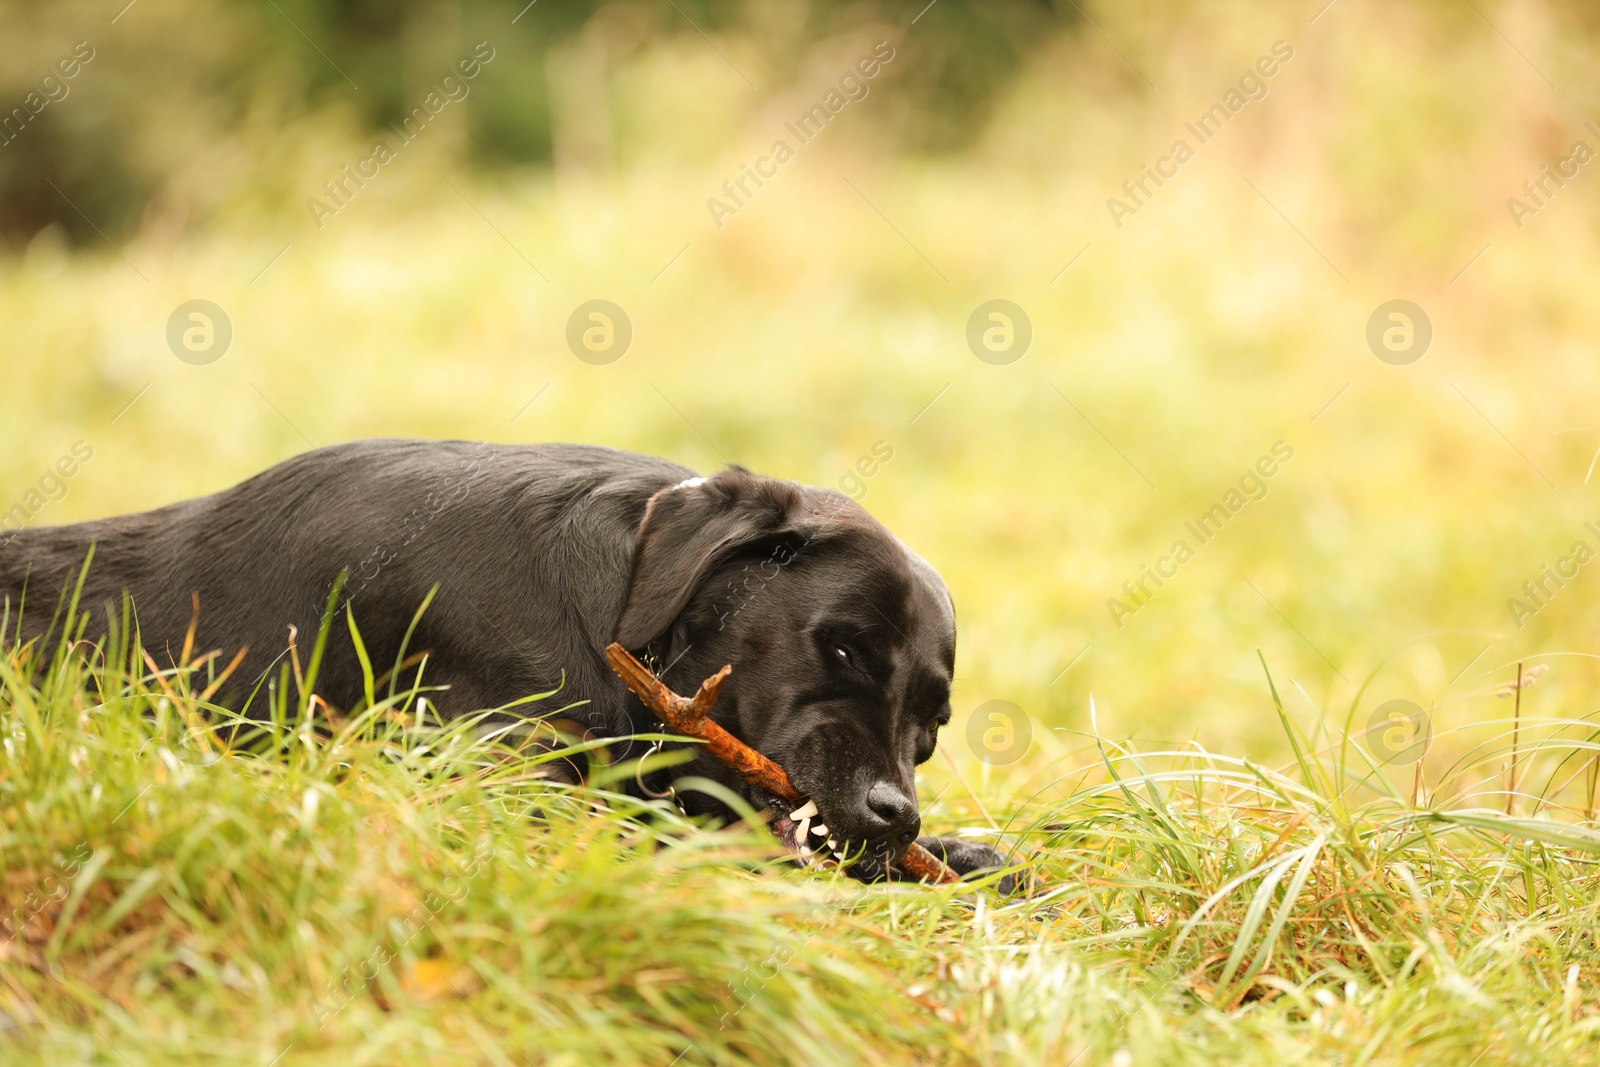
[398, 518]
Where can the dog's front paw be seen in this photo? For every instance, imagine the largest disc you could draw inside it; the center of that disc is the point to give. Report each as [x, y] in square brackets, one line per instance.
[971, 859]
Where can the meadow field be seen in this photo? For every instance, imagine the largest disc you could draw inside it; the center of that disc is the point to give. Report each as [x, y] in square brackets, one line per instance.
[1318, 788]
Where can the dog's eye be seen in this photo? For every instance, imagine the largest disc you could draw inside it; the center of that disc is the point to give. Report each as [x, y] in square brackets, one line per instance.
[845, 658]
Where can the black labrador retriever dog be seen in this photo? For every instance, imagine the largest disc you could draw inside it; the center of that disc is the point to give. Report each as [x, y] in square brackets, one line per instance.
[842, 639]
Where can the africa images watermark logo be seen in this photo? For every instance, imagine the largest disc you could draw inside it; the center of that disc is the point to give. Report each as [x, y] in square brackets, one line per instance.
[452, 87]
[852, 86]
[440, 499]
[999, 332]
[1399, 332]
[51, 488]
[599, 332]
[1538, 591]
[53, 89]
[1252, 486]
[1399, 732]
[1251, 86]
[1538, 192]
[999, 732]
[199, 332]
[853, 482]
[18, 912]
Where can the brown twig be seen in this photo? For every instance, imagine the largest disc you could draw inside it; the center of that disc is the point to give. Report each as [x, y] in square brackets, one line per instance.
[1516, 732]
[690, 716]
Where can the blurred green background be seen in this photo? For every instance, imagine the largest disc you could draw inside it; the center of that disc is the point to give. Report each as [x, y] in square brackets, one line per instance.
[829, 313]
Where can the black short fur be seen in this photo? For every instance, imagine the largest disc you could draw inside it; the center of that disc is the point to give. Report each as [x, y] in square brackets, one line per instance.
[842, 640]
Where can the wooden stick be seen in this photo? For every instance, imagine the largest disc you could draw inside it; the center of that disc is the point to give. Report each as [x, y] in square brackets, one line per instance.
[1516, 732]
[690, 716]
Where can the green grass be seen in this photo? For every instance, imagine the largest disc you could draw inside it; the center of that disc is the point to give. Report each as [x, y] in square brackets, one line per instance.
[1230, 880]
[185, 885]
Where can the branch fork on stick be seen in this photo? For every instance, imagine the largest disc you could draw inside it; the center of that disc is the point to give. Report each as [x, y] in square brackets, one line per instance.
[691, 716]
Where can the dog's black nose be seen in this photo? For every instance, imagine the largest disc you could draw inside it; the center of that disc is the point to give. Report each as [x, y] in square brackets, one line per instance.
[891, 815]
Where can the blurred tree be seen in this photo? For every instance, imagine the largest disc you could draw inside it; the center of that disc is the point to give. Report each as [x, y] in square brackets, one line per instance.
[186, 102]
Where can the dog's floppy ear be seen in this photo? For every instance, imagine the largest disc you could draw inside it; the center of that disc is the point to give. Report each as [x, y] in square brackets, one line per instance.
[688, 529]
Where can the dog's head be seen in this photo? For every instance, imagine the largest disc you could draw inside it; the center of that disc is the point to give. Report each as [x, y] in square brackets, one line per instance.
[842, 642]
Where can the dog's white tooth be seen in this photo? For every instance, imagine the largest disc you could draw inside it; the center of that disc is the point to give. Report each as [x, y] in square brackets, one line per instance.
[800, 829]
[819, 830]
[804, 851]
[805, 812]
[833, 844]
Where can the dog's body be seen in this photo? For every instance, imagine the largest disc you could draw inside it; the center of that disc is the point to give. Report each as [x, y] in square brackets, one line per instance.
[842, 640]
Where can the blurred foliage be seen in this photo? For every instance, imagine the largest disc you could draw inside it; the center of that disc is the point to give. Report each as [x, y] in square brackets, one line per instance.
[831, 309]
[179, 86]
[825, 322]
